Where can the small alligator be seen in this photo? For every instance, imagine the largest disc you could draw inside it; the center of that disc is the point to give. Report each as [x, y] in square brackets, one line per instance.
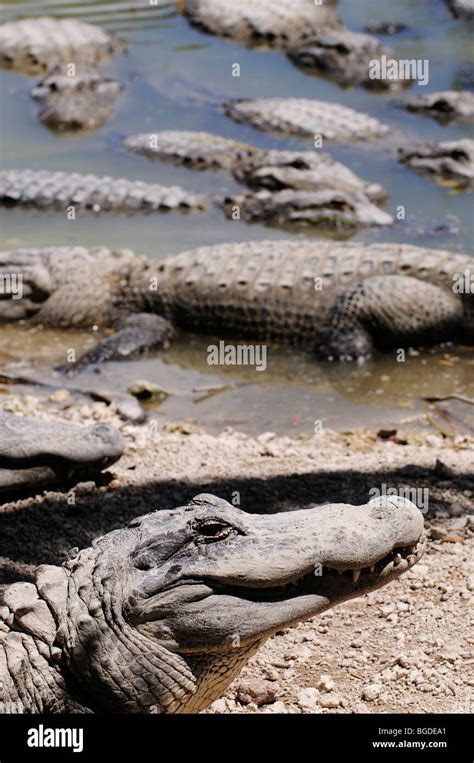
[444, 106]
[275, 23]
[84, 101]
[39, 44]
[345, 57]
[340, 300]
[161, 616]
[348, 208]
[307, 117]
[449, 163]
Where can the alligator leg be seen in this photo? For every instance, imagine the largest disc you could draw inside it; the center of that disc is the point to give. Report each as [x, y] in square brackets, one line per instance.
[135, 335]
[379, 313]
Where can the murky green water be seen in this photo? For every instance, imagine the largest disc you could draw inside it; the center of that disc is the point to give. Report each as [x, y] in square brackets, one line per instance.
[175, 77]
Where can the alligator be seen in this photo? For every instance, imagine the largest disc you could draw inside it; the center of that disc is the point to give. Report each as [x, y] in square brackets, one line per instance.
[84, 101]
[385, 27]
[449, 163]
[444, 106]
[35, 453]
[257, 168]
[346, 57]
[306, 117]
[462, 9]
[274, 23]
[160, 616]
[36, 45]
[326, 206]
[340, 300]
[47, 190]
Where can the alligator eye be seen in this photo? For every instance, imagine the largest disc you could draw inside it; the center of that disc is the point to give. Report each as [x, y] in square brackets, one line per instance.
[213, 531]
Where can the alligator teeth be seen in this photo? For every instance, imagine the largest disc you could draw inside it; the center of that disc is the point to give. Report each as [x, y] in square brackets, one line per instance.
[397, 559]
[372, 568]
[355, 576]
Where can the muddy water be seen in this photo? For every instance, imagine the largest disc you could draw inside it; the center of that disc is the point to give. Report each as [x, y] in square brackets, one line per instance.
[175, 78]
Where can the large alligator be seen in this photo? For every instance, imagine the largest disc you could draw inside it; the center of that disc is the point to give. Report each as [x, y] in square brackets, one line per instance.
[160, 616]
[339, 300]
[449, 162]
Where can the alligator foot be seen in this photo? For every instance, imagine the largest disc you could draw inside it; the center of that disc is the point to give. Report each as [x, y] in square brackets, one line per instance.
[378, 312]
[135, 335]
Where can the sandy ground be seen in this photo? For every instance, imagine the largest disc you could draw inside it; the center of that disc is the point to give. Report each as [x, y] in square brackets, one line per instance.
[405, 648]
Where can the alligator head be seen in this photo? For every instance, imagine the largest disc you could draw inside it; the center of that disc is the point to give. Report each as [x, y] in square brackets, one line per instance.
[160, 616]
[163, 614]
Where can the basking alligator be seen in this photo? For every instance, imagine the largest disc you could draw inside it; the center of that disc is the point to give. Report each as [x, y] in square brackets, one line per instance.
[444, 106]
[308, 117]
[449, 162]
[84, 101]
[340, 300]
[160, 616]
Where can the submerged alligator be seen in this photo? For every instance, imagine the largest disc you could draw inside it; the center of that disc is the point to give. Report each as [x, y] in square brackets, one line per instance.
[73, 94]
[39, 44]
[307, 117]
[342, 205]
[162, 615]
[275, 23]
[84, 101]
[444, 106]
[340, 300]
[449, 163]
[46, 190]
[346, 57]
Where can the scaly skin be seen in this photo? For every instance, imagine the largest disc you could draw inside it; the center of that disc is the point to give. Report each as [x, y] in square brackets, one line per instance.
[305, 116]
[276, 23]
[38, 44]
[340, 300]
[160, 616]
[43, 189]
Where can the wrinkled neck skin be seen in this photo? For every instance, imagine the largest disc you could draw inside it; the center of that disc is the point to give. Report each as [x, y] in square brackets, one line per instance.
[73, 651]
